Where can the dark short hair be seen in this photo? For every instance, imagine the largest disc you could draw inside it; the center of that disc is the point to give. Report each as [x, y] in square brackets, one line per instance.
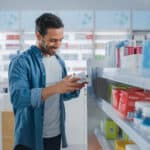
[46, 21]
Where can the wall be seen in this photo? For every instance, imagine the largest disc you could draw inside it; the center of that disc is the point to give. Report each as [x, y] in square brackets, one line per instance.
[74, 4]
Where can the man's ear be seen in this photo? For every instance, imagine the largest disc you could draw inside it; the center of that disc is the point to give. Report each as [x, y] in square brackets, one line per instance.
[38, 36]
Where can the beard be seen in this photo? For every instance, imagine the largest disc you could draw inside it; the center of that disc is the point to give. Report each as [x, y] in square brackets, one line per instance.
[47, 50]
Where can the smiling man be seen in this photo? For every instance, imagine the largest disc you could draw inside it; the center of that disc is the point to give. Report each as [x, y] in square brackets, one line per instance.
[39, 85]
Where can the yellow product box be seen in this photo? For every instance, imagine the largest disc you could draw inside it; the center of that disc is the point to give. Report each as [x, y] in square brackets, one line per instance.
[121, 144]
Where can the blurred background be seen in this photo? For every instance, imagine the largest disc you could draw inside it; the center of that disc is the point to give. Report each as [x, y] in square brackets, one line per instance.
[92, 27]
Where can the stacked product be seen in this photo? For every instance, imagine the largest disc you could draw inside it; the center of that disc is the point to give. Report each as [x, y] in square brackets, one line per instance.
[131, 60]
[124, 100]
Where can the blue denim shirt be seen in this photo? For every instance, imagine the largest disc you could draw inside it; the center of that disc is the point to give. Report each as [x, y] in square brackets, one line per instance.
[27, 78]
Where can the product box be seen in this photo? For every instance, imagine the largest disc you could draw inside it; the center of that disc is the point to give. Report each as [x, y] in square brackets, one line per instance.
[7, 129]
[131, 62]
[7, 143]
[115, 98]
[121, 144]
[116, 90]
[127, 102]
[111, 129]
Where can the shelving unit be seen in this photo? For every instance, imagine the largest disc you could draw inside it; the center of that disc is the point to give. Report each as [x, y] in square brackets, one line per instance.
[133, 132]
[0, 134]
[134, 79]
[102, 140]
[125, 77]
[10, 44]
[76, 48]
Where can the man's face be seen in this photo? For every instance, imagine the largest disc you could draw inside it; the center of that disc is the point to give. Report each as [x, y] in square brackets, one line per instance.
[50, 42]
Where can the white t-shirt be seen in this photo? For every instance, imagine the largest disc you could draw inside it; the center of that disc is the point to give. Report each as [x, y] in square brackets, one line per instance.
[51, 124]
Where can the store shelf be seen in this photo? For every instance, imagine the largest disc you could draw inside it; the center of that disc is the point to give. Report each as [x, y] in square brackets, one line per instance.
[124, 76]
[0, 132]
[105, 144]
[133, 132]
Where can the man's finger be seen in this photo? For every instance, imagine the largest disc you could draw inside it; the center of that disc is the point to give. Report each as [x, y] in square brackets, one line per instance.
[68, 77]
[74, 79]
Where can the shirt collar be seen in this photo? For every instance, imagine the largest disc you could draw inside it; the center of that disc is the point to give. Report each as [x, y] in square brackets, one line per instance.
[37, 51]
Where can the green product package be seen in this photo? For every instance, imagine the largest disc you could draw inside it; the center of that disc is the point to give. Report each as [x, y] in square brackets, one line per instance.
[111, 129]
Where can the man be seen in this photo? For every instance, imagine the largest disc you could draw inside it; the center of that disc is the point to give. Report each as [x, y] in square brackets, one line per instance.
[38, 87]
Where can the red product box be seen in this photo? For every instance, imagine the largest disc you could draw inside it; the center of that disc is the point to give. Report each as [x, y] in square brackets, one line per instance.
[116, 95]
[147, 95]
[115, 98]
[13, 37]
[134, 89]
[127, 102]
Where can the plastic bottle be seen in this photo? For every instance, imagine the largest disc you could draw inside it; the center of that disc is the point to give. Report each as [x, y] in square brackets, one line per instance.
[145, 67]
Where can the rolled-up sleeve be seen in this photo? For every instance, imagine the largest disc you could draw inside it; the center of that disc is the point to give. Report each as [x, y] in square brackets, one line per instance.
[70, 95]
[21, 94]
[36, 97]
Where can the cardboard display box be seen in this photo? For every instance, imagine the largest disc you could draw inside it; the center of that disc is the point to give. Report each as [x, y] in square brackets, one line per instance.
[7, 130]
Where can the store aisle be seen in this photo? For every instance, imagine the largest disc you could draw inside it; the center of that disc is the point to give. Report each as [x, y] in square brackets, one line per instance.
[94, 117]
[76, 124]
[75, 147]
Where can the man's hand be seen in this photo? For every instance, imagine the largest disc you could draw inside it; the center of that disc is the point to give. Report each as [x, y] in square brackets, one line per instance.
[68, 84]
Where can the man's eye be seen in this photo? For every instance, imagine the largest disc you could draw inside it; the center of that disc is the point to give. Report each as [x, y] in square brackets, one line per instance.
[55, 40]
[52, 40]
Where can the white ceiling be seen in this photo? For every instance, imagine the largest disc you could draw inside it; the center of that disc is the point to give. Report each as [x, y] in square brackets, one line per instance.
[73, 4]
